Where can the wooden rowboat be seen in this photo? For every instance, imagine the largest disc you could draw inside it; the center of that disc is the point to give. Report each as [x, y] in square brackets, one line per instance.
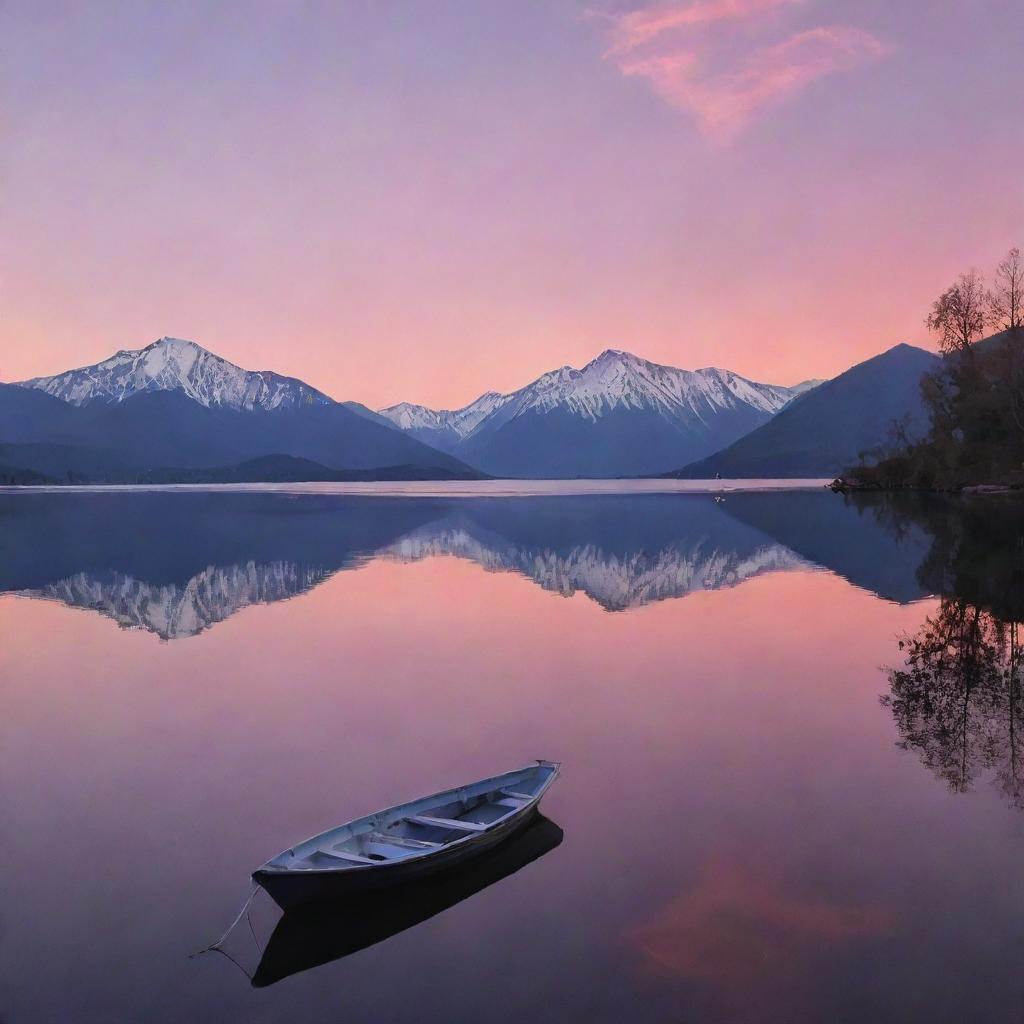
[408, 841]
[320, 933]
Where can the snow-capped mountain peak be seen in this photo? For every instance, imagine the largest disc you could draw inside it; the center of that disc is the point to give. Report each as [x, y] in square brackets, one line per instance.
[615, 378]
[458, 422]
[618, 379]
[175, 364]
[408, 415]
[618, 415]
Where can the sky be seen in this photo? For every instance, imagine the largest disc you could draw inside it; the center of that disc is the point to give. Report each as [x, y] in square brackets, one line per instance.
[422, 200]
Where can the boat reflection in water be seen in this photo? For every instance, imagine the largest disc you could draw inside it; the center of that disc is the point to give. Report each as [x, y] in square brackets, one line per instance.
[319, 934]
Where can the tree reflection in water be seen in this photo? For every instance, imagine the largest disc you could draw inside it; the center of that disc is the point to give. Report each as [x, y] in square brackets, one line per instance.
[957, 699]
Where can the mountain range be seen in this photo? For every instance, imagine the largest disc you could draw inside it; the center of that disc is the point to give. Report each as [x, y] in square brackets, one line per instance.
[175, 406]
[175, 412]
[619, 415]
[827, 429]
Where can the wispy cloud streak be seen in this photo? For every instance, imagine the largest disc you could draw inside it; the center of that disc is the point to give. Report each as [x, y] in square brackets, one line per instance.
[631, 29]
[678, 48]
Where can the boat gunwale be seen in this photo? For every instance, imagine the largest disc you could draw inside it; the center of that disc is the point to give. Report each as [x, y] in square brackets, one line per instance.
[268, 868]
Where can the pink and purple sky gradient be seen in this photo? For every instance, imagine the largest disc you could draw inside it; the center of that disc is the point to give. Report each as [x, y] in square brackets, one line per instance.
[422, 200]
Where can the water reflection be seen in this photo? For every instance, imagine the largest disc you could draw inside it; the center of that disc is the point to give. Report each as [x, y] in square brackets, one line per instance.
[176, 563]
[957, 698]
[704, 555]
[313, 936]
[957, 701]
[173, 610]
[743, 839]
[742, 926]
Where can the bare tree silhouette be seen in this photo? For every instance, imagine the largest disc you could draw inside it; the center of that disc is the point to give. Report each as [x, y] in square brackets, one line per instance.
[1006, 302]
[958, 315]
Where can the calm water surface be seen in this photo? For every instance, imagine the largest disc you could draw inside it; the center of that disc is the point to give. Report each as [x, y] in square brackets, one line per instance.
[790, 727]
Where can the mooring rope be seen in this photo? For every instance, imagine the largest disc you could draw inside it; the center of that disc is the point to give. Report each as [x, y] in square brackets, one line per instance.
[216, 946]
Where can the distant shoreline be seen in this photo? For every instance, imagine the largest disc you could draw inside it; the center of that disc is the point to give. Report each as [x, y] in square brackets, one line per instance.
[845, 485]
[449, 488]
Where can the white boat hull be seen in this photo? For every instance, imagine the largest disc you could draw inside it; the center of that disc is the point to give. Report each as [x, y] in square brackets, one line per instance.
[313, 872]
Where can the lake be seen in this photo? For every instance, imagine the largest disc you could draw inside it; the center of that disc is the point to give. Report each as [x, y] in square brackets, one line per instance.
[789, 724]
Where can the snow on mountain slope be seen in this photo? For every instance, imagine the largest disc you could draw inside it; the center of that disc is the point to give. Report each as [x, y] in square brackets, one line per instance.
[174, 405]
[615, 379]
[619, 415]
[443, 427]
[172, 364]
[620, 379]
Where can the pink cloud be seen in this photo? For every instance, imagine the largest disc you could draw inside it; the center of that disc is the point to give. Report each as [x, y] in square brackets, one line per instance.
[634, 28]
[659, 45]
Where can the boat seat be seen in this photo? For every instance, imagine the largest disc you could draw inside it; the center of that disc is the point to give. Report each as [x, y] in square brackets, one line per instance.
[406, 841]
[465, 826]
[517, 796]
[514, 802]
[355, 858]
[382, 850]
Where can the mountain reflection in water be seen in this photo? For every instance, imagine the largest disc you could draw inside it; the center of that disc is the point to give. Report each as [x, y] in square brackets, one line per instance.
[745, 839]
[175, 563]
